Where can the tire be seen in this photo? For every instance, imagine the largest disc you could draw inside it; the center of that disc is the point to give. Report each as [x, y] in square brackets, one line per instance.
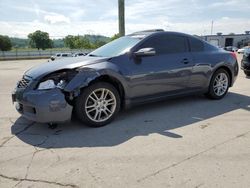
[247, 73]
[219, 84]
[98, 104]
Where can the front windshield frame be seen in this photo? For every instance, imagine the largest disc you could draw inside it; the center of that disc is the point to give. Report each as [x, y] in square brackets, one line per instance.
[112, 49]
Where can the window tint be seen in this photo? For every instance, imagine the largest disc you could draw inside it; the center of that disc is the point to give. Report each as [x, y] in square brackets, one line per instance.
[167, 44]
[196, 45]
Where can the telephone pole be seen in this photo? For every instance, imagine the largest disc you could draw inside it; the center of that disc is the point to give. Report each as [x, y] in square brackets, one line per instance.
[212, 27]
[121, 17]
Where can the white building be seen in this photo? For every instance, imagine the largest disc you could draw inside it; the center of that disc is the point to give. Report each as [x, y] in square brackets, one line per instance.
[237, 40]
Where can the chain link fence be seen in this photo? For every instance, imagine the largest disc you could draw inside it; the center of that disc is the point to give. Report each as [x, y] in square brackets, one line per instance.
[35, 54]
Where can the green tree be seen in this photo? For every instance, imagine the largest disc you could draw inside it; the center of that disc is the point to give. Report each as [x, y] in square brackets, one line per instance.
[58, 43]
[115, 36]
[77, 42]
[40, 40]
[69, 41]
[20, 43]
[86, 44]
[99, 43]
[5, 43]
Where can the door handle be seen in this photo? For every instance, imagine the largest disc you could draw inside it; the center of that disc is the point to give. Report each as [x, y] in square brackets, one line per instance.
[185, 61]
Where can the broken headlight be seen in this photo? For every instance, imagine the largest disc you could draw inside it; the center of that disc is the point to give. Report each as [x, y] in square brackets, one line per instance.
[58, 79]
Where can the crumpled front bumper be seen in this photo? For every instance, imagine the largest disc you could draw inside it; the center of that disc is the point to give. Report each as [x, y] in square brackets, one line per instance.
[43, 106]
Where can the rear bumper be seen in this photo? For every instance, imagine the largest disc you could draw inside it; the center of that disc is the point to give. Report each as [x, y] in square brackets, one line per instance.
[48, 106]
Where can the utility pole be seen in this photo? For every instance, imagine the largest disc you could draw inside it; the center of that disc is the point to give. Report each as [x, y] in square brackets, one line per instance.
[212, 27]
[121, 17]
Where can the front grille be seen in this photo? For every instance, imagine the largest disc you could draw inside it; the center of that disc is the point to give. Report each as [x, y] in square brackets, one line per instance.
[23, 83]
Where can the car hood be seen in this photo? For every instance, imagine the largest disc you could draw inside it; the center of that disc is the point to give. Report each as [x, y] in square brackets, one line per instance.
[67, 63]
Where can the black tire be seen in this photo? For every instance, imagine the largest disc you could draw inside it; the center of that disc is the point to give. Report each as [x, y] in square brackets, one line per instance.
[247, 73]
[211, 92]
[84, 98]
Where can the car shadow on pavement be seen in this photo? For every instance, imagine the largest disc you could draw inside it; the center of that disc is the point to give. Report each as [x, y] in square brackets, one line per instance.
[160, 117]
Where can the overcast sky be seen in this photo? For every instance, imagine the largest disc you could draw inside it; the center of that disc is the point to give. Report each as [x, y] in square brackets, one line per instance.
[63, 17]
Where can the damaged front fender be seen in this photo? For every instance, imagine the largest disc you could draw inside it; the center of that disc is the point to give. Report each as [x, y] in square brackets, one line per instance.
[85, 76]
[82, 79]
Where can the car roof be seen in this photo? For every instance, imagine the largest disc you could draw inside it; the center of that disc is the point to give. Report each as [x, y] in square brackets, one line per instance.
[153, 32]
[146, 33]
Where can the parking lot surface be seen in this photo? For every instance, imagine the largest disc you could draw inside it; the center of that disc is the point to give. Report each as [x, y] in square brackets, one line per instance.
[185, 142]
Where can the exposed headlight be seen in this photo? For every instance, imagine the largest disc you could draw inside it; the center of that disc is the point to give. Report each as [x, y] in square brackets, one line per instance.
[48, 84]
[56, 80]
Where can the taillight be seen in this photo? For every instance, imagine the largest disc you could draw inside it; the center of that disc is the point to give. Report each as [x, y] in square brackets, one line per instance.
[234, 55]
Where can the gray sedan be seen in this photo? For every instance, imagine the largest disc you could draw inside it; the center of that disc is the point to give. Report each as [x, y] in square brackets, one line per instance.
[141, 67]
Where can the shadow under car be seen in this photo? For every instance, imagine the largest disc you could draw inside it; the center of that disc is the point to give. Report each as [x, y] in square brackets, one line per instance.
[160, 117]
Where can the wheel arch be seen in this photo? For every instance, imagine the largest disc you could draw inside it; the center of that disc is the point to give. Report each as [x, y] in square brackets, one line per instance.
[85, 78]
[113, 81]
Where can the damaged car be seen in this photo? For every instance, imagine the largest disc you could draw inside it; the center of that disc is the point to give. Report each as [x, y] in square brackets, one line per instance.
[141, 67]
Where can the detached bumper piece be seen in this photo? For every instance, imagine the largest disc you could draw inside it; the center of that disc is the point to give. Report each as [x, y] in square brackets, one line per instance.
[45, 106]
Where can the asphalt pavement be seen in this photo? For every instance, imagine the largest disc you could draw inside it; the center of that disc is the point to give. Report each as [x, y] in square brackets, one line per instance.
[184, 142]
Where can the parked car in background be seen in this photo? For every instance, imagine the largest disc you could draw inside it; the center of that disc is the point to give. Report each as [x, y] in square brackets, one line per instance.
[79, 54]
[60, 55]
[245, 62]
[141, 67]
[242, 50]
[231, 48]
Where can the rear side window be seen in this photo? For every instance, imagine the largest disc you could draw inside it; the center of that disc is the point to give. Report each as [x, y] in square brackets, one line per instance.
[196, 45]
[167, 44]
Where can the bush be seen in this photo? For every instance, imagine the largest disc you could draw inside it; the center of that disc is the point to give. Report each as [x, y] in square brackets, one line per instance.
[5, 43]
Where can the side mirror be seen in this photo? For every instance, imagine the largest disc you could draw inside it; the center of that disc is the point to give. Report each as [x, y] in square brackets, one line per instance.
[145, 52]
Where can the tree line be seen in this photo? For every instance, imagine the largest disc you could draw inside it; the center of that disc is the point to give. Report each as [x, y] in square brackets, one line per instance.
[41, 40]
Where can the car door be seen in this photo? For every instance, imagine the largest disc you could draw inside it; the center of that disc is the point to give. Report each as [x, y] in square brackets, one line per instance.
[202, 59]
[167, 72]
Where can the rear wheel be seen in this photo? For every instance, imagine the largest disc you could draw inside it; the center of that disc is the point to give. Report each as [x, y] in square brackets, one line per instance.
[219, 84]
[247, 73]
[98, 104]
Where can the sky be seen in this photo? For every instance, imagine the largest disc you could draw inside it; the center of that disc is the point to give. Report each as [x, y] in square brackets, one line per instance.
[59, 18]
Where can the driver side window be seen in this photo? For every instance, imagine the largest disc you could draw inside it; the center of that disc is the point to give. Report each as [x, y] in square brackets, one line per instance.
[167, 44]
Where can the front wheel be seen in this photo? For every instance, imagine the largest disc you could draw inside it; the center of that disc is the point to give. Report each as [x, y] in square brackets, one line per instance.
[98, 104]
[219, 84]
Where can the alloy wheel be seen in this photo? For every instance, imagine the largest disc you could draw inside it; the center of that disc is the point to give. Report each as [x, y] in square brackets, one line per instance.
[100, 105]
[220, 84]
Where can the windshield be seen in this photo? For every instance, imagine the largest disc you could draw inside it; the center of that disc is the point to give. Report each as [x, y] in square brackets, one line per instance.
[116, 47]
